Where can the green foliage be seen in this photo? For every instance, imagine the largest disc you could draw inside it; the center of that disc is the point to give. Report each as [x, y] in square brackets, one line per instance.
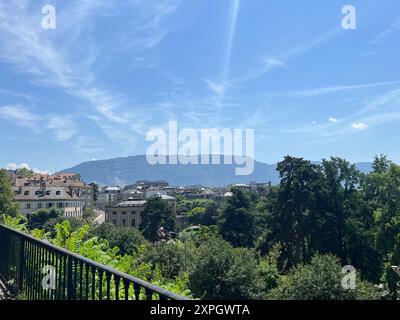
[40, 217]
[18, 223]
[7, 204]
[167, 256]
[156, 214]
[320, 280]
[219, 271]
[127, 240]
[237, 222]
[25, 173]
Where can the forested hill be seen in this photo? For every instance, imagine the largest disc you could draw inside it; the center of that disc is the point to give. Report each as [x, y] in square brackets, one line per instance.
[127, 170]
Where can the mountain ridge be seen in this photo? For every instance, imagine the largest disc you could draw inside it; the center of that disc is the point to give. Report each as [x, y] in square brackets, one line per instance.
[127, 170]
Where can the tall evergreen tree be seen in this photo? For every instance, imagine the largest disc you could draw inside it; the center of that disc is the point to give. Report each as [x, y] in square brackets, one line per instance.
[237, 221]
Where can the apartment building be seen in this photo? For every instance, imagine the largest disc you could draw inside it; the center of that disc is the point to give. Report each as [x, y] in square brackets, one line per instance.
[33, 198]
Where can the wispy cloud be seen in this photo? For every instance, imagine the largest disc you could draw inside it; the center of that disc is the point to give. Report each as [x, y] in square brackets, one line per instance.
[335, 89]
[54, 61]
[62, 126]
[387, 32]
[359, 126]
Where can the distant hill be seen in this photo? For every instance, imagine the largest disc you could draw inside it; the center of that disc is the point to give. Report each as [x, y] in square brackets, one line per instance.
[127, 170]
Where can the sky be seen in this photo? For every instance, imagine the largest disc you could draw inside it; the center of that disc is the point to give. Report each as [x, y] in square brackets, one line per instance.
[110, 71]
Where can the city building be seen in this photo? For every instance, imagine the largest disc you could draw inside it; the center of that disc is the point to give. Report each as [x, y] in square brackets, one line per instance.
[33, 198]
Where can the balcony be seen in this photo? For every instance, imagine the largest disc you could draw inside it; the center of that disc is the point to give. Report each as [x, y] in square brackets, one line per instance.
[33, 269]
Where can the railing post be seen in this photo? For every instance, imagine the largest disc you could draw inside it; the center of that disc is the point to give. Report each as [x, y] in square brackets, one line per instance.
[70, 281]
[21, 264]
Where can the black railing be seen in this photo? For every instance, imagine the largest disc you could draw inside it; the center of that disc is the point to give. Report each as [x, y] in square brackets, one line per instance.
[23, 263]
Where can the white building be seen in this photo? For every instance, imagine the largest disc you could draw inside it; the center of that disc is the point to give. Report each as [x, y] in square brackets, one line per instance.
[31, 199]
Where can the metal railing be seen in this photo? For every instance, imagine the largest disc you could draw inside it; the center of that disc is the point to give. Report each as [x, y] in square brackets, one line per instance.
[23, 257]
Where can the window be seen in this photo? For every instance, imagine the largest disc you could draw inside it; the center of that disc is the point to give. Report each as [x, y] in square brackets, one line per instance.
[39, 206]
[37, 193]
[26, 193]
[50, 205]
[114, 222]
[123, 222]
[58, 193]
[123, 212]
[114, 213]
[59, 205]
[133, 224]
[133, 212]
[28, 205]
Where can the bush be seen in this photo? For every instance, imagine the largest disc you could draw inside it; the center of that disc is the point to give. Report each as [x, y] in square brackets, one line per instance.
[219, 271]
[126, 239]
[320, 280]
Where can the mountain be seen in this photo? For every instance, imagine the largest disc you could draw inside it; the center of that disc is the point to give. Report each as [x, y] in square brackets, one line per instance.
[127, 170]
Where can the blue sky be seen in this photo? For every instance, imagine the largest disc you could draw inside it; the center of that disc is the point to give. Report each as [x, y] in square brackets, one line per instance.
[109, 72]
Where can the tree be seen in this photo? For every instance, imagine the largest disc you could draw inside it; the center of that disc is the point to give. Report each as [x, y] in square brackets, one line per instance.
[237, 222]
[156, 214]
[293, 209]
[126, 239]
[25, 173]
[95, 187]
[40, 217]
[8, 206]
[381, 164]
[220, 272]
[167, 256]
[321, 280]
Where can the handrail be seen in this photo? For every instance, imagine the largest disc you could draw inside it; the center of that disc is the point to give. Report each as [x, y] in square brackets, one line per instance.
[78, 262]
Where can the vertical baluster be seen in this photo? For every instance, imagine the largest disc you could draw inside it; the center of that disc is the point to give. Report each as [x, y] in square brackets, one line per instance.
[149, 294]
[70, 289]
[53, 263]
[126, 288]
[64, 276]
[57, 266]
[116, 281]
[80, 280]
[75, 277]
[137, 288]
[101, 284]
[108, 281]
[93, 283]
[21, 265]
[87, 269]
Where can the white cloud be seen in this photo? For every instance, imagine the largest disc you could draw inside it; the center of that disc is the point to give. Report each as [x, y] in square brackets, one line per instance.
[14, 166]
[335, 89]
[359, 126]
[331, 119]
[62, 126]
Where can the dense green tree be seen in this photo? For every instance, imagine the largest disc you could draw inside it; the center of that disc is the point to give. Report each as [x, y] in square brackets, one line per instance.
[95, 187]
[321, 280]
[8, 206]
[237, 221]
[38, 218]
[167, 256]
[156, 214]
[293, 213]
[127, 240]
[25, 172]
[219, 271]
